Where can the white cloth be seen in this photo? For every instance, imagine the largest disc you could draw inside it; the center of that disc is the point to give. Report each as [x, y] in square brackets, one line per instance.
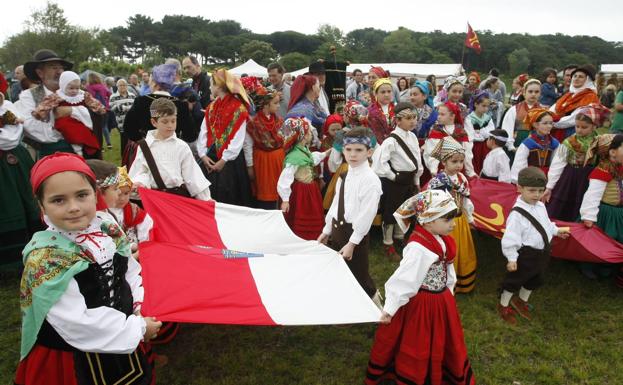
[569, 120]
[102, 329]
[478, 135]
[323, 101]
[520, 232]
[10, 135]
[559, 162]
[286, 178]
[391, 152]
[361, 201]
[247, 149]
[497, 164]
[592, 199]
[38, 130]
[176, 164]
[232, 150]
[142, 229]
[407, 279]
[335, 160]
[508, 124]
[433, 164]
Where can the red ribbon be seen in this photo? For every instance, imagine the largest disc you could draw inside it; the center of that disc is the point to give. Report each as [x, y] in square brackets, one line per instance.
[90, 237]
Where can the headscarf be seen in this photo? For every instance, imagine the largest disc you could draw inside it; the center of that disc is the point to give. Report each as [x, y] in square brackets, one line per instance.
[224, 79]
[426, 206]
[356, 113]
[446, 147]
[57, 163]
[164, 75]
[596, 112]
[333, 118]
[299, 88]
[379, 82]
[477, 96]
[599, 148]
[4, 85]
[293, 131]
[259, 94]
[424, 87]
[64, 80]
[530, 81]
[476, 75]
[452, 80]
[533, 115]
[380, 72]
[456, 110]
[522, 79]
[124, 178]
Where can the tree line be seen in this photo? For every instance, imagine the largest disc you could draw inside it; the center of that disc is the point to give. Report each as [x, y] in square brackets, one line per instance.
[143, 41]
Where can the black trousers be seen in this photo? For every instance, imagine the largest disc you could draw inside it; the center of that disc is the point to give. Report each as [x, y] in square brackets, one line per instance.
[531, 265]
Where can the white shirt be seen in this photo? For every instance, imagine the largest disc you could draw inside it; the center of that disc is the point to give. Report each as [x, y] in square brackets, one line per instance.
[521, 161]
[142, 229]
[407, 279]
[361, 201]
[559, 162]
[10, 136]
[323, 100]
[284, 184]
[391, 152]
[508, 124]
[232, 150]
[102, 329]
[592, 199]
[176, 164]
[497, 164]
[520, 232]
[565, 121]
[42, 132]
[433, 164]
[478, 135]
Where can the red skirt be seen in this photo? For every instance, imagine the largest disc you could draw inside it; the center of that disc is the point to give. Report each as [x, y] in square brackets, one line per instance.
[306, 215]
[423, 344]
[480, 151]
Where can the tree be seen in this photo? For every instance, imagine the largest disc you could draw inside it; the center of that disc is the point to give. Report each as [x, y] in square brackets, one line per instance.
[141, 35]
[518, 61]
[294, 61]
[289, 41]
[330, 34]
[260, 51]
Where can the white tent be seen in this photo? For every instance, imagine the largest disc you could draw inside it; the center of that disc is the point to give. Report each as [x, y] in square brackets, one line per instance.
[608, 69]
[420, 71]
[251, 68]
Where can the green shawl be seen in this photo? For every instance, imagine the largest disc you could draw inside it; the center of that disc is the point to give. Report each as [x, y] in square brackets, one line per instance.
[578, 144]
[299, 156]
[50, 262]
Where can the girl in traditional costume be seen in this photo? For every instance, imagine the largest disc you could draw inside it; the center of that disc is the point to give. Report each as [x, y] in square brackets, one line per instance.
[538, 149]
[452, 155]
[453, 92]
[513, 122]
[420, 339]
[268, 155]
[221, 140]
[478, 124]
[582, 92]
[297, 185]
[426, 115]
[331, 127]
[381, 111]
[304, 95]
[81, 289]
[135, 221]
[518, 87]
[567, 179]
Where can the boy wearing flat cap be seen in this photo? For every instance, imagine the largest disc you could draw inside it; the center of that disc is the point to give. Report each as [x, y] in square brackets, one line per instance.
[526, 245]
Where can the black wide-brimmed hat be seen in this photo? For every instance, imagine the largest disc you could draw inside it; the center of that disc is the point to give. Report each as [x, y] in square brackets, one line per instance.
[588, 69]
[43, 56]
[317, 67]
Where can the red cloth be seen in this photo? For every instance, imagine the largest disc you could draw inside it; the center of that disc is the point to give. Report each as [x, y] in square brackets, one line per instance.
[425, 238]
[570, 102]
[480, 151]
[75, 132]
[331, 119]
[132, 215]
[423, 344]
[456, 110]
[377, 121]
[55, 163]
[471, 40]
[301, 85]
[46, 366]
[265, 131]
[221, 126]
[306, 215]
[4, 85]
[459, 133]
[380, 72]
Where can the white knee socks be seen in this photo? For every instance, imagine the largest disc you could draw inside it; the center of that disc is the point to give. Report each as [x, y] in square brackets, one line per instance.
[505, 299]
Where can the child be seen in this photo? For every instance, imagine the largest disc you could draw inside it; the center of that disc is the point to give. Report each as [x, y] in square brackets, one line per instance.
[477, 125]
[449, 123]
[107, 187]
[452, 91]
[77, 129]
[526, 245]
[517, 94]
[452, 155]
[381, 111]
[513, 122]
[568, 175]
[538, 149]
[354, 206]
[425, 113]
[497, 164]
[297, 187]
[398, 163]
[81, 290]
[136, 223]
[420, 339]
[268, 154]
[331, 127]
[165, 162]
[549, 92]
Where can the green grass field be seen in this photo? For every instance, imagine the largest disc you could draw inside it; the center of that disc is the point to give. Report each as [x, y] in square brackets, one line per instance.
[576, 336]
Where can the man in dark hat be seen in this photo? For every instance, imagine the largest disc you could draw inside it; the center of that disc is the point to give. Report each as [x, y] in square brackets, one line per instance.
[318, 69]
[45, 69]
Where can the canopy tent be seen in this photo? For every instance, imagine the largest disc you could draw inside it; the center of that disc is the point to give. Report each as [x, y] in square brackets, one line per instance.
[609, 69]
[251, 68]
[396, 70]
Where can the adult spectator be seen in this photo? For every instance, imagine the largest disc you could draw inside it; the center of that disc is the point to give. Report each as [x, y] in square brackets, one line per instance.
[144, 84]
[278, 83]
[185, 93]
[318, 70]
[99, 91]
[201, 80]
[566, 78]
[432, 79]
[617, 120]
[111, 84]
[133, 85]
[120, 103]
[45, 68]
[16, 87]
[494, 73]
[357, 86]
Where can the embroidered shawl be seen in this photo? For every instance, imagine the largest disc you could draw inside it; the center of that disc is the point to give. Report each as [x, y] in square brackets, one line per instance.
[224, 117]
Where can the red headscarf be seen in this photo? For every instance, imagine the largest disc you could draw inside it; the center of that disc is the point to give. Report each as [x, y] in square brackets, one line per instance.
[57, 163]
[4, 85]
[456, 110]
[301, 85]
[380, 72]
[333, 118]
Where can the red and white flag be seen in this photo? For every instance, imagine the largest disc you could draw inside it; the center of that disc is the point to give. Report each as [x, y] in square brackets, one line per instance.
[209, 262]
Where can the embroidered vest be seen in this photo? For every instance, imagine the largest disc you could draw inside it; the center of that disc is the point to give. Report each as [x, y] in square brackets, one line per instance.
[436, 278]
[613, 193]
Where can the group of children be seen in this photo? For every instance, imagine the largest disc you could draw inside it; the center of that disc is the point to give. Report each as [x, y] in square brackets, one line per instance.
[87, 305]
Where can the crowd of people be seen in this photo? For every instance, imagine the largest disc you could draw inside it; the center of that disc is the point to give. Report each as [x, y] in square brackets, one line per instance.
[400, 154]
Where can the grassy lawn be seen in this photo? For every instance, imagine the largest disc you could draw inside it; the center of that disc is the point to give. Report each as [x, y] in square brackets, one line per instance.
[575, 338]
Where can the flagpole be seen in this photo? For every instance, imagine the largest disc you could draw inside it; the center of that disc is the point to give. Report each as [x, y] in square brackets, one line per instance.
[463, 51]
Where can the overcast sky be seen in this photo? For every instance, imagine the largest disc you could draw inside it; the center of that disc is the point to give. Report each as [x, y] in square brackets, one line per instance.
[571, 17]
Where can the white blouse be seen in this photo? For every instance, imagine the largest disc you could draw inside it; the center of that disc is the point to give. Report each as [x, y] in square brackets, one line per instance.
[592, 199]
[38, 130]
[284, 184]
[10, 135]
[391, 152]
[433, 164]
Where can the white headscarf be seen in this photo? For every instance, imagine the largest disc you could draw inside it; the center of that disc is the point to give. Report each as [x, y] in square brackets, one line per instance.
[66, 78]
